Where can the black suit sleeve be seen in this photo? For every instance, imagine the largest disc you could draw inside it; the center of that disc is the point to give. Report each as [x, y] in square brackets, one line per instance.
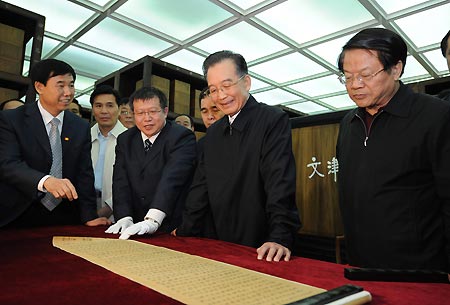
[197, 208]
[278, 173]
[85, 180]
[122, 192]
[181, 158]
[13, 168]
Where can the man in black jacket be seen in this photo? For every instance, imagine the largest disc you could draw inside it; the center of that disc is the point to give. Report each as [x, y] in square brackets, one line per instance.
[394, 164]
[246, 175]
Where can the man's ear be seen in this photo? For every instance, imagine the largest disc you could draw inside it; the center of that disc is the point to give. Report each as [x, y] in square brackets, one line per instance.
[397, 70]
[38, 86]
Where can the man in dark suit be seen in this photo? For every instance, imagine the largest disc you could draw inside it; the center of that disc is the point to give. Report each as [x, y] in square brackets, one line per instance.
[42, 183]
[153, 168]
[246, 175]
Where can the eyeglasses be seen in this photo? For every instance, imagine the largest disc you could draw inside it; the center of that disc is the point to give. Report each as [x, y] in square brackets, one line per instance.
[126, 112]
[213, 91]
[362, 79]
[151, 113]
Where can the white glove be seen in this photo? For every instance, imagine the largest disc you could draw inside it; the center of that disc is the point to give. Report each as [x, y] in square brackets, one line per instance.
[148, 226]
[121, 225]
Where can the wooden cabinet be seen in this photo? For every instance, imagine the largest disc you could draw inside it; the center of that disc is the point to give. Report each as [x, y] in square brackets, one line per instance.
[433, 86]
[182, 87]
[314, 147]
[17, 27]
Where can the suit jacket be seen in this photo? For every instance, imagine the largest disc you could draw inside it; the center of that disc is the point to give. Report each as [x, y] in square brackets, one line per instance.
[110, 157]
[157, 179]
[246, 179]
[25, 157]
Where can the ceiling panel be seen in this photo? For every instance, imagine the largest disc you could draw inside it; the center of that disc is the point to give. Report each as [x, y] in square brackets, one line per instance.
[179, 19]
[61, 17]
[288, 68]
[131, 42]
[297, 19]
[187, 60]
[425, 33]
[291, 46]
[319, 86]
[275, 97]
[84, 62]
[244, 39]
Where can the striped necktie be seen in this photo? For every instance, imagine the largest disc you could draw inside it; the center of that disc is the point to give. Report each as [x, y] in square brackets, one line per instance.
[148, 145]
[49, 201]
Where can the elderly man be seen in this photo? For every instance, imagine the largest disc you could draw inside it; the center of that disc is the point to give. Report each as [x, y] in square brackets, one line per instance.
[394, 165]
[155, 161]
[246, 177]
[105, 108]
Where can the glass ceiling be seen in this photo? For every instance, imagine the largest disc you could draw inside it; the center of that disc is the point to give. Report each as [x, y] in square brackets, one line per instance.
[291, 46]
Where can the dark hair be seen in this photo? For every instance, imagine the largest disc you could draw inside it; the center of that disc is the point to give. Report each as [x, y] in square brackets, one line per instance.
[2, 105]
[186, 115]
[389, 45]
[444, 43]
[104, 89]
[238, 59]
[146, 93]
[75, 101]
[202, 95]
[47, 68]
[124, 101]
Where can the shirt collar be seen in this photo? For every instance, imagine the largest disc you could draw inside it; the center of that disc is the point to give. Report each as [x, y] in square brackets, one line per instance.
[47, 117]
[153, 137]
[231, 118]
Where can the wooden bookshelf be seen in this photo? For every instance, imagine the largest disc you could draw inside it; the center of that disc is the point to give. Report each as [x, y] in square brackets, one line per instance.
[17, 27]
[181, 86]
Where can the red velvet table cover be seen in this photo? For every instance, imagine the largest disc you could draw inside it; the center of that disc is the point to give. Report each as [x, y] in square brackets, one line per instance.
[32, 271]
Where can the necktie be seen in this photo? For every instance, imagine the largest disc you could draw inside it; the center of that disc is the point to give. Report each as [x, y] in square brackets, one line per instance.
[49, 201]
[148, 145]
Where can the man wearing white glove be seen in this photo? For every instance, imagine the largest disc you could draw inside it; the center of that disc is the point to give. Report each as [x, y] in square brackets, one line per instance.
[153, 169]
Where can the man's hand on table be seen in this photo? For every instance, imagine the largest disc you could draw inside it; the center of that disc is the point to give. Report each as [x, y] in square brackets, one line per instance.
[101, 221]
[273, 252]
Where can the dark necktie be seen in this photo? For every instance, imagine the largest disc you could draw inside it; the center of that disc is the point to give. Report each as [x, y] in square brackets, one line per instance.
[49, 201]
[148, 145]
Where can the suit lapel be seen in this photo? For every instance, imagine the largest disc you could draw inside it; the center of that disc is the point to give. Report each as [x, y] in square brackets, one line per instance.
[68, 132]
[35, 124]
[156, 147]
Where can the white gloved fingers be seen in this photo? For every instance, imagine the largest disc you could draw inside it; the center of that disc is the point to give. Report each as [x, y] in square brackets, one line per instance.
[144, 228]
[114, 229]
[131, 230]
[124, 236]
[120, 225]
[139, 228]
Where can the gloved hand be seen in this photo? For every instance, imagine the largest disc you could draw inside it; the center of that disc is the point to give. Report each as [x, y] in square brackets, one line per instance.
[121, 225]
[148, 226]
